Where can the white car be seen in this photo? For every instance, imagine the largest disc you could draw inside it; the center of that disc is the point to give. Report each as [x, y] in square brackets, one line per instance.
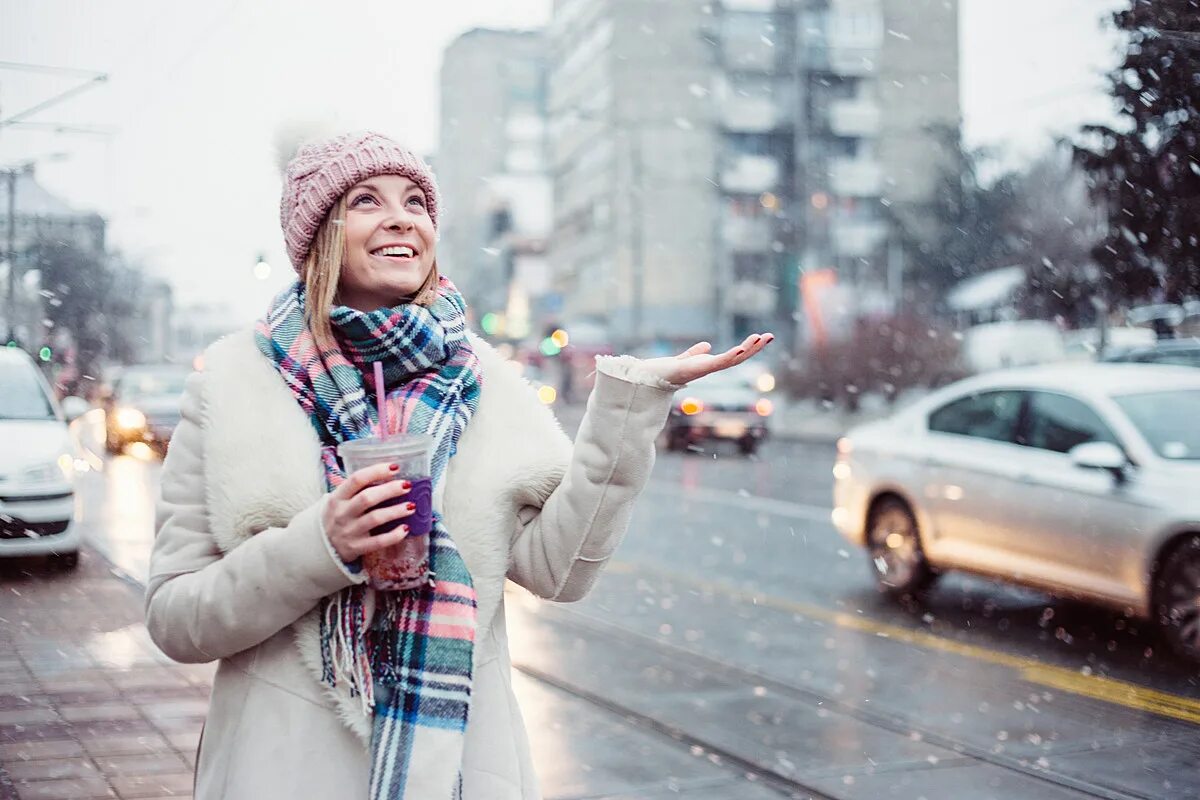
[1079, 480]
[37, 465]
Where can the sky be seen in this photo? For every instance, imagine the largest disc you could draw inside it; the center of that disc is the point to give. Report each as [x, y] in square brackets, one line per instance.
[196, 92]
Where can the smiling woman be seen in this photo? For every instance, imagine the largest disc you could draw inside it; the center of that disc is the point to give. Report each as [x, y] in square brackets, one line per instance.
[338, 685]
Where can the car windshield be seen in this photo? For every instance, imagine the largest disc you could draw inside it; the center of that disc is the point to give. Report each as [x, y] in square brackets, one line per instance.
[1167, 420]
[1181, 357]
[143, 383]
[21, 393]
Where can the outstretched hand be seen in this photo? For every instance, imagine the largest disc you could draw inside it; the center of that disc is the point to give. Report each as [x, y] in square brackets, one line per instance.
[697, 361]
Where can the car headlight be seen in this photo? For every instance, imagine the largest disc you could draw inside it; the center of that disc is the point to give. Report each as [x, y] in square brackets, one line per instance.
[130, 419]
[765, 382]
[49, 471]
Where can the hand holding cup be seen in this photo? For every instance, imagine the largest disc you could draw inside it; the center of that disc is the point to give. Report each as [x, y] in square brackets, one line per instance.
[368, 499]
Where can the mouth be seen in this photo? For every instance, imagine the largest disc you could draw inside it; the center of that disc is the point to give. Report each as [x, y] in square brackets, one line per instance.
[395, 252]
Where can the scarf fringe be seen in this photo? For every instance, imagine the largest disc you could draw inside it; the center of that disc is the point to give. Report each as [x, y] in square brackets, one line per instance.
[344, 652]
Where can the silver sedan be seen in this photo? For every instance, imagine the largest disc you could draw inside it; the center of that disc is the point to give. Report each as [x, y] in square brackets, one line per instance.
[1082, 481]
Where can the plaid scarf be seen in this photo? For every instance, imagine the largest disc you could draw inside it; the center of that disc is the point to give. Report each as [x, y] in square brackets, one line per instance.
[412, 665]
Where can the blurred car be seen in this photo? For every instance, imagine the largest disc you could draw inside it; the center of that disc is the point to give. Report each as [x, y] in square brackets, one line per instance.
[731, 405]
[1017, 343]
[1084, 344]
[37, 465]
[1079, 480]
[144, 406]
[1180, 352]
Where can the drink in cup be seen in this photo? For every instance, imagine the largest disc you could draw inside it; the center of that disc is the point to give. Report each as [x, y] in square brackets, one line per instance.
[403, 565]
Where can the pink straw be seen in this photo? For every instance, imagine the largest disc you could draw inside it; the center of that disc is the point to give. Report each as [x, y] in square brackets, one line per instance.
[379, 404]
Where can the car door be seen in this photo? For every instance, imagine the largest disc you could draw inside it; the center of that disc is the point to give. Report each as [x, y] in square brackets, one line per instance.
[969, 476]
[1073, 520]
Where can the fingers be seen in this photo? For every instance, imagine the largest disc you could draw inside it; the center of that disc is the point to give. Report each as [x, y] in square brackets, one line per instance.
[376, 517]
[373, 543]
[378, 494]
[700, 348]
[367, 476]
[385, 540]
[751, 346]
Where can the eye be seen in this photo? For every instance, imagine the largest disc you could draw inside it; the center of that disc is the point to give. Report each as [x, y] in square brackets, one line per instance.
[418, 199]
[357, 201]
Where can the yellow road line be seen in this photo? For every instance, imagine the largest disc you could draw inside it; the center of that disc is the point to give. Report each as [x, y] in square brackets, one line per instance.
[1110, 690]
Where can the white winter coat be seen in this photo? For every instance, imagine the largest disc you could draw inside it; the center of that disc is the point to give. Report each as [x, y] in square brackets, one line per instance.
[241, 561]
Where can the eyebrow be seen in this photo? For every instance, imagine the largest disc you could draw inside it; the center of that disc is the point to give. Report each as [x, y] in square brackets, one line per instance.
[368, 184]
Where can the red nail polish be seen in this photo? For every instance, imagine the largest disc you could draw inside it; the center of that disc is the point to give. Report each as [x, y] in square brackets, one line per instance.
[411, 506]
[739, 351]
[393, 467]
[407, 485]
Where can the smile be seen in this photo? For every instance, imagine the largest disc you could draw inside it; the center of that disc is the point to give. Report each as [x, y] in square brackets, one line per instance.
[399, 251]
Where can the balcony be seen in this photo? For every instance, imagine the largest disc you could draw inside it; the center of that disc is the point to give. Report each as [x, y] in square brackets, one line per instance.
[854, 118]
[846, 38]
[751, 114]
[753, 104]
[747, 174]
[855, 177]
[747, 234]
[857, 238]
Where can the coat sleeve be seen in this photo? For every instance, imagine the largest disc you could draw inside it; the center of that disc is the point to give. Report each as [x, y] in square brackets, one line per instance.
[203, 605]
[560, 549]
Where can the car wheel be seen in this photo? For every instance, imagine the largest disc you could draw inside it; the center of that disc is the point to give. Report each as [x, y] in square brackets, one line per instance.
[1177, 591]
[894, 543]
[748, 446]
[65, 562]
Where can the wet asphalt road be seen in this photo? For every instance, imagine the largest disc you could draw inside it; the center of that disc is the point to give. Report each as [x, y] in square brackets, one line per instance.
[736, 626]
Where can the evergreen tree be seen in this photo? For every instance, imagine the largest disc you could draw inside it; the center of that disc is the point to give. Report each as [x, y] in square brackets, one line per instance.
[1145, 170]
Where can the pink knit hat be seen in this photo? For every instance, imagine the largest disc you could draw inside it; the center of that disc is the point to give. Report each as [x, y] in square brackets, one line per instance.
[322, 171]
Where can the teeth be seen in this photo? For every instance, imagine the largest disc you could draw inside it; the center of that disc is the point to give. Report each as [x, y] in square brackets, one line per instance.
[395, 251]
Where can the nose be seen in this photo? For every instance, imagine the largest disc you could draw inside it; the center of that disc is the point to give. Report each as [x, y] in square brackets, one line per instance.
[398, 219]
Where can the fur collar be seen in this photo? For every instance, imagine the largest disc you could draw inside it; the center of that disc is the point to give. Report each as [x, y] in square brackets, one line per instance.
[262, 467]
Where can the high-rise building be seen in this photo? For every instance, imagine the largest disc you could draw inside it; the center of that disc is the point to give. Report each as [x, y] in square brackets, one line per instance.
[632, 153]
[705, 153]
[879, 91]
[492, 168]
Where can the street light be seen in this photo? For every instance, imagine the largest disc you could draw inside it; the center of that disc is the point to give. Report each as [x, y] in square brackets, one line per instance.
[262, 269]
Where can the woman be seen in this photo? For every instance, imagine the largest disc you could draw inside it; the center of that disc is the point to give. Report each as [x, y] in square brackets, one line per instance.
[325, 688]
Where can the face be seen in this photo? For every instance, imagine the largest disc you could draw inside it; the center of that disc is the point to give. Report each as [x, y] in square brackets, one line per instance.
[390, 243]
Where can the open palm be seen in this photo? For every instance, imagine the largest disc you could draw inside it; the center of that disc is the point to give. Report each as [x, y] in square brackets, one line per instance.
[697, 361]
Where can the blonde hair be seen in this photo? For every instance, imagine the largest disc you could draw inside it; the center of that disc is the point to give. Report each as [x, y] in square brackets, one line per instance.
[322, 270]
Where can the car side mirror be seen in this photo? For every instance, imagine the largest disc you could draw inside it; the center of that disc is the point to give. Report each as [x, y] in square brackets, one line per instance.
[1101, 455]
[75, 407]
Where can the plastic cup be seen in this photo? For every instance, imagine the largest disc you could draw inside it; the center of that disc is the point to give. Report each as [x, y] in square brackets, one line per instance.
[403, 565]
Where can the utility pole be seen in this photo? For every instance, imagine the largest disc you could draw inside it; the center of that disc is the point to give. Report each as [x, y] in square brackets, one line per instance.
[637, 235]
[10, 253]
[91, 79]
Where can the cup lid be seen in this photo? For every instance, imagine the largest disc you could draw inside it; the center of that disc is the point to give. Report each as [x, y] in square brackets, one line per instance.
[399, 444]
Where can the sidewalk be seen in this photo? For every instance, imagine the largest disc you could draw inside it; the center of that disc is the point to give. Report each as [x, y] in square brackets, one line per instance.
[90, 709]
[88, 706]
